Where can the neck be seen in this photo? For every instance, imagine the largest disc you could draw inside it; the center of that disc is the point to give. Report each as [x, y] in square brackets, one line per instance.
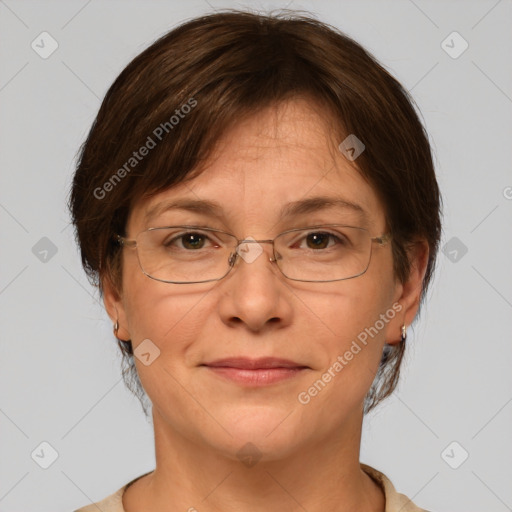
[321, 476]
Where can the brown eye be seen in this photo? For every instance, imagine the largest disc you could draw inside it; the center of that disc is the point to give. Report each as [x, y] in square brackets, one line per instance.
[318, 240]
[190, 241]
[193, 241]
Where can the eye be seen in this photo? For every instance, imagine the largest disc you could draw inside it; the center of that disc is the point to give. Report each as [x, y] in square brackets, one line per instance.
[190, 241]
[320, 240]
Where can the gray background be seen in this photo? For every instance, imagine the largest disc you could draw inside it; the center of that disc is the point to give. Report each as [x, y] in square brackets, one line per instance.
[60, 378]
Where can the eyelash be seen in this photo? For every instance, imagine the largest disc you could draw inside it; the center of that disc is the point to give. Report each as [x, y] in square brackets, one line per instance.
[339, 239]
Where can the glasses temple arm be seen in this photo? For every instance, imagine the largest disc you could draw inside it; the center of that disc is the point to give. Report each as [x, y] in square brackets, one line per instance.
[121, 240]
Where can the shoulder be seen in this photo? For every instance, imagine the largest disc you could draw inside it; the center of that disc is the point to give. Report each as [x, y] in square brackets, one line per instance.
[394, 500]
[112, 503]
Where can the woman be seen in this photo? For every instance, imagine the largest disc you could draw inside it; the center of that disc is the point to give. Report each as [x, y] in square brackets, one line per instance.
[257, 203]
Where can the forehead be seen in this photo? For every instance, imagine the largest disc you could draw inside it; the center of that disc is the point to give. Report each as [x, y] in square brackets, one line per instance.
[267, 162]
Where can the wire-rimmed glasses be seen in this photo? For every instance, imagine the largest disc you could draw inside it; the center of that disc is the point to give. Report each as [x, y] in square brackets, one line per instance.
[188, 254]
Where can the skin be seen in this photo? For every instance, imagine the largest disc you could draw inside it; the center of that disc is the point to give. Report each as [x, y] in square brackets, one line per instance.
[309, 453]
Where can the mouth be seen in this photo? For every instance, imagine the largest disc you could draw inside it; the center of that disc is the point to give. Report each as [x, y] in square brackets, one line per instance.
[255, 372]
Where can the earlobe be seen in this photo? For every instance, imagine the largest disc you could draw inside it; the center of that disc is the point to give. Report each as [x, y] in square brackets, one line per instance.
[412, 288]
[397, 332]
[410, 294]
[114, 306]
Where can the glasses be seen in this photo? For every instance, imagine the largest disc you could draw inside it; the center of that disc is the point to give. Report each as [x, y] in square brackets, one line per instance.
[195, 254]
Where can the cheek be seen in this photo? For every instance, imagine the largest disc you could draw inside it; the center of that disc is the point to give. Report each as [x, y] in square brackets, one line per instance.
[160, 313]
[353, 323]
[173, 323]
[347, 308]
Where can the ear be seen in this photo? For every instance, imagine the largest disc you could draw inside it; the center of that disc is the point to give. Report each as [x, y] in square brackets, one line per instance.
[408, 293]
[115, 308]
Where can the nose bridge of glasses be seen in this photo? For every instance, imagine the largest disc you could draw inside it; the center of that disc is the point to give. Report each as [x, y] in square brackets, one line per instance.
[251, 240]
[249, 249]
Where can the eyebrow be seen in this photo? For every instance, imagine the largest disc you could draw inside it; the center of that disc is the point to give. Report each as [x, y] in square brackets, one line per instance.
[296, 208]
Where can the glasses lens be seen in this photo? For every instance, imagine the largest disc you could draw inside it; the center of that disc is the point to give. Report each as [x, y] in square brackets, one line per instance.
[182, 254]
[323, 253]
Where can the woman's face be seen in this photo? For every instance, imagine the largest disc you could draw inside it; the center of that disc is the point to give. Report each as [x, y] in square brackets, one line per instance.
[273, 159]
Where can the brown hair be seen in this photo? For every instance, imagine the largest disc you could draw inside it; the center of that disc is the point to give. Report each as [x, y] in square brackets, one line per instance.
[178, 97]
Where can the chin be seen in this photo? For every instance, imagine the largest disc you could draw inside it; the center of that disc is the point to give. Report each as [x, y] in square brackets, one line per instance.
[266, 433]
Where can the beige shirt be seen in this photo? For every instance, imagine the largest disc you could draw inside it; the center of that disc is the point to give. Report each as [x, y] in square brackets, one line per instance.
[395, 502]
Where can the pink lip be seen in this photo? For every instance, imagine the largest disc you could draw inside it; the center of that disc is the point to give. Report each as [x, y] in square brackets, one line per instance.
[255, 372]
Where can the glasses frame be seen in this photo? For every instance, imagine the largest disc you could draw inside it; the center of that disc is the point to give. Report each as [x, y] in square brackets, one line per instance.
[381, 240]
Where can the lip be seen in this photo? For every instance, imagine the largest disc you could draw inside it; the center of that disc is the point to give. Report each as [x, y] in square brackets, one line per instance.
[256, 372]
[246, 363]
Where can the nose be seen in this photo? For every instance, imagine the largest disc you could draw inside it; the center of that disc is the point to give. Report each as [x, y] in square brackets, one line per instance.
[253, 293]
